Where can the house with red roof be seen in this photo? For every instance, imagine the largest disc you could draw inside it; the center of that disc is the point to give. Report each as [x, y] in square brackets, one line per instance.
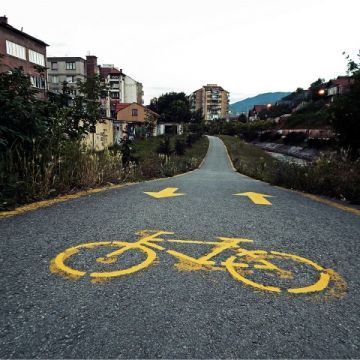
[255, 111]
[134, 120]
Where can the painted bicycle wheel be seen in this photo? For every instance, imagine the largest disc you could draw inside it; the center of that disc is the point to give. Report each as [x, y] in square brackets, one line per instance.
[117, 249]
[238, 267]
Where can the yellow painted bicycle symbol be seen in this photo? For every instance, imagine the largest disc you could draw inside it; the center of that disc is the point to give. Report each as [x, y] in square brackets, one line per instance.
[263, 270]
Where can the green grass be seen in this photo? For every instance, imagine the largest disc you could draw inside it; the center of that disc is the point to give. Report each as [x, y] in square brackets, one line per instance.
[45, 173]
[332, 175]
[154, 165]
[249, 159]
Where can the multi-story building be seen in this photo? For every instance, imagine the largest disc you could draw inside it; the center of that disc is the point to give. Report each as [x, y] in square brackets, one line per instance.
[19, 49]
[121, 88]
[133, 91]
[114, 79]
[70, 70]
[65, 69]
[212, 100]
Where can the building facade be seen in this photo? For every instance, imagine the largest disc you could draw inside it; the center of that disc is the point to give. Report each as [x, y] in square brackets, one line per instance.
[212, 100]
[19, 49]
[65, 69]
[133, 90]
[70, 70]
[122, 89]
[134, 120]
[114, 80]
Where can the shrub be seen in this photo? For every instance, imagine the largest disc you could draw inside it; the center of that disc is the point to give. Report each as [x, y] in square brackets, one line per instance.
[179, 147]
[334, 175]
[294, 138]
[164, 147]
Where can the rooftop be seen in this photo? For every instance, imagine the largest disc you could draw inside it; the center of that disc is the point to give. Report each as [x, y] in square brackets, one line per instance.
[4, 24]
[65, 58]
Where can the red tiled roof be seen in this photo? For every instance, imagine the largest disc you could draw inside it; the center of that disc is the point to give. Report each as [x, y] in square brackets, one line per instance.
[122, 106]
[341, 80]
[259, 108]
[106, 71]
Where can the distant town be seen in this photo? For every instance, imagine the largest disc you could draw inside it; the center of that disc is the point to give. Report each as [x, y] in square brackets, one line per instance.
[123, 101]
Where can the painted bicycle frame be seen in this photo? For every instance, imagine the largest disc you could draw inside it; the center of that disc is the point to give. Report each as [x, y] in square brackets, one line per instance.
[151, 241]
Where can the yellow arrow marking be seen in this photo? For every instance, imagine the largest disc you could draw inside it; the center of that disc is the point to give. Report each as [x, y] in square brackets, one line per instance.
[256, 198]
[168, 192]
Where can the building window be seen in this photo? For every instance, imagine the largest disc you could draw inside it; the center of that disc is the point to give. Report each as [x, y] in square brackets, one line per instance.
[134, 112]
[55, 79]
[37, 82]
[114, 95]
[36, 58]
[70, 78]
[15, 50]
[70, 65]
[54, 65]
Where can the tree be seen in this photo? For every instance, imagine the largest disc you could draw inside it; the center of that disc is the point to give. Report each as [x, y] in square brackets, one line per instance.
[197, 116]
[315, 89]
[172, 107]
[345, 112]
[164, 147]
[23, 117]
[87, 104]
[242, 118]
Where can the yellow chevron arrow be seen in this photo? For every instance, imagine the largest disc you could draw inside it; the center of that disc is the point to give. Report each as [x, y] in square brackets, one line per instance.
[168, 192]
[257, 198]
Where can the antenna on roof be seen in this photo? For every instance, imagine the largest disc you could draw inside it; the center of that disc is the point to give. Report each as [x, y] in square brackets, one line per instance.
[88, 53]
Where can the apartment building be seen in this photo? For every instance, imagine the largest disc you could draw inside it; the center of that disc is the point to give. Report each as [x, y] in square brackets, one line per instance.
[212, 100]
[70, 70]
[65, 69]
[114, 80]
[19, 49]
[133, 91]
[121, 88]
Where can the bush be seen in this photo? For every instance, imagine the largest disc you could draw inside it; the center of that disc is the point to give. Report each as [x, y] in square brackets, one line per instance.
[179, 147]
[319, 143]
[294, 138]
[249, 135]
[269, 136]
[334, 175]
[164, 147]
[191, 138]
[150, 167]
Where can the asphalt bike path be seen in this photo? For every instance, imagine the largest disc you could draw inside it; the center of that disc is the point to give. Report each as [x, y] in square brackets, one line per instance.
[204, 274]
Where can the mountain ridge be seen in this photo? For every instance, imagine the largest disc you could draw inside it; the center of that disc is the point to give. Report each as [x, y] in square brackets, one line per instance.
[266, 98]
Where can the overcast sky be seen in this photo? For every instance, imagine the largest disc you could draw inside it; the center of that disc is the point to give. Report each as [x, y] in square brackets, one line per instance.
[246, 46]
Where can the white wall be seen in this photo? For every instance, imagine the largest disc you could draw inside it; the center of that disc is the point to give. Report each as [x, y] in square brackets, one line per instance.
[130, 93]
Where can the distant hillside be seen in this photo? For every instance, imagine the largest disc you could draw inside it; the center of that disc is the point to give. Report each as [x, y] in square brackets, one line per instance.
[246, 104]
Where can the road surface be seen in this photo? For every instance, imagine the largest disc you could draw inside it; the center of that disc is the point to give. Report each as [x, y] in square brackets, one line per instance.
[192, 287]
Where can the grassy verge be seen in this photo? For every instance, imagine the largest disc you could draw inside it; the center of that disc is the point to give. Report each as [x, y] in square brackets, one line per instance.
[249, 159]
[332, 175]
[45, 173]
[153, 165]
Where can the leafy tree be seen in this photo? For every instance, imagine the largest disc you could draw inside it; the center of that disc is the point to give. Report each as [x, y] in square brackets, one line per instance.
[172, 107]
[197, 117]
[242, 118]
[315, 87]
[345, 112]
[23, 117]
